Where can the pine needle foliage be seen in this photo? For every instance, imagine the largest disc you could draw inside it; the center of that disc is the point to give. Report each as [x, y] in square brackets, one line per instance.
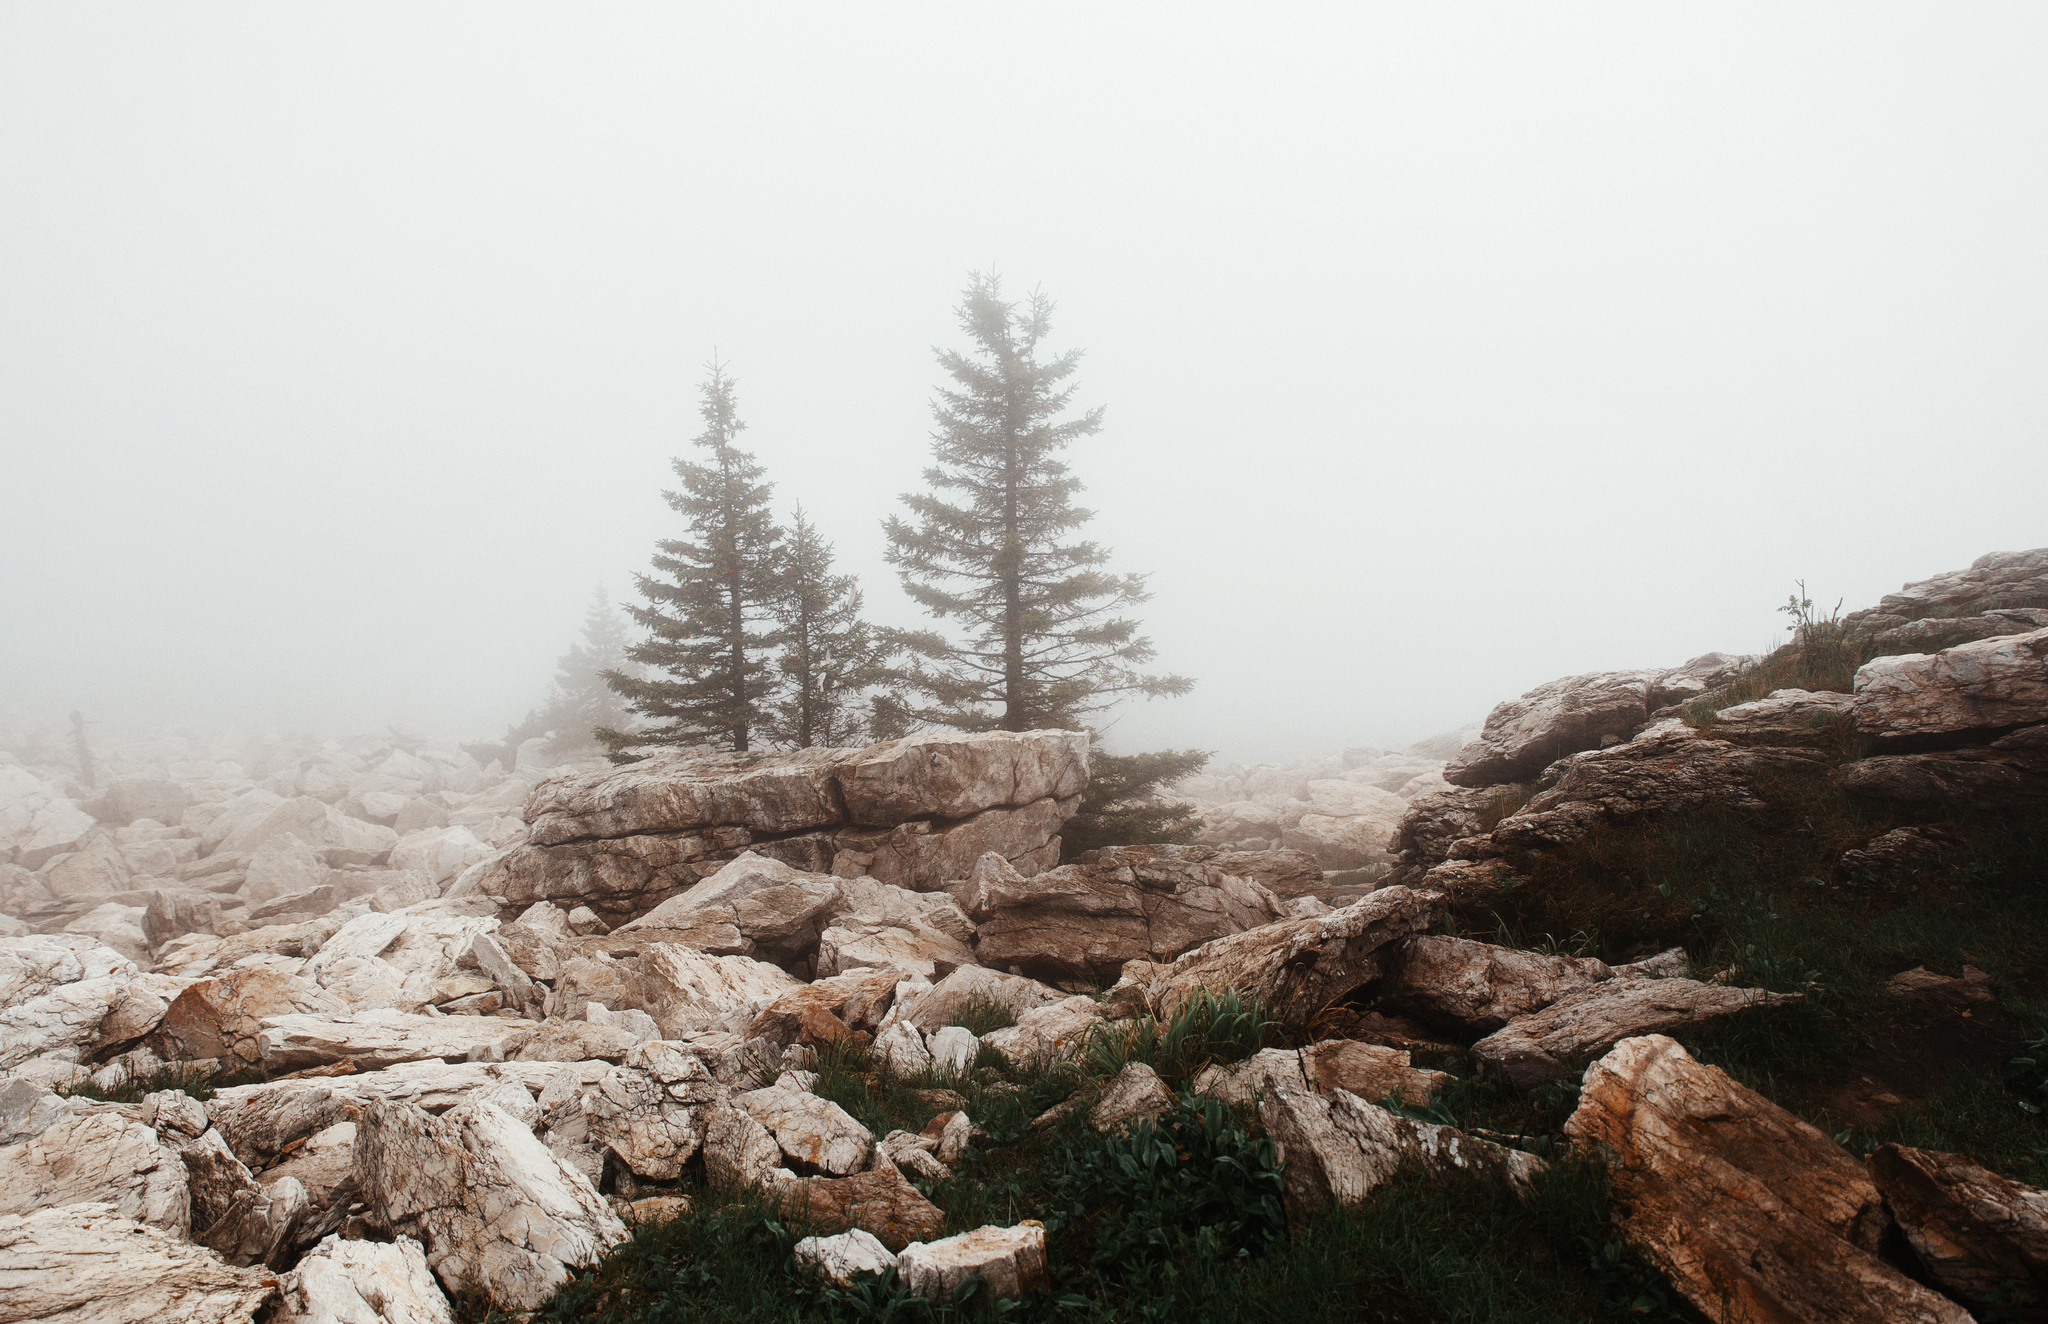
[830, 658]
[1121, 804]
[711, 601]
[1043, 638]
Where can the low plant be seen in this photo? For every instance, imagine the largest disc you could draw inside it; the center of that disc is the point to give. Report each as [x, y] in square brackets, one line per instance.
[981, 1014]
[1208, 1028]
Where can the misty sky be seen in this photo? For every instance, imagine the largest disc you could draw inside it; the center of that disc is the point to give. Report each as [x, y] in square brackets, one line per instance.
[1445, 350]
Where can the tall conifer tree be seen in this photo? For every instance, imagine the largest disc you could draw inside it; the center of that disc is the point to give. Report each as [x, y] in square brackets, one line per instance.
[1045, 641]
[829, 659]
[710, 604]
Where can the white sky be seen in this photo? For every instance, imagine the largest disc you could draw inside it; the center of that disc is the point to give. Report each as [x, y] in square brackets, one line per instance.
[343, 348]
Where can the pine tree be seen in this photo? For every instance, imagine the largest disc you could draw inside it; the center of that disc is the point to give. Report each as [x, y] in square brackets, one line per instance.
[1045, 642]
[710, 602]
[829, 658]
[1121, 806]
[581, 700]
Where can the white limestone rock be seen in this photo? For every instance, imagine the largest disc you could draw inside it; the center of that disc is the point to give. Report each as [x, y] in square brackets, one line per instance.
[363, 1282]
[86, 1264]
[102, 1157]
[1010, 1261]
[809, 1129]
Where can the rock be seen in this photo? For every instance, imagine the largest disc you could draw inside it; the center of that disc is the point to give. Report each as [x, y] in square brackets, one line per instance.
[491, 957]
[739, 1152]
[1933, 634]
[172, 914]
[841, 1259]
[221, 1017]
[1285, 873]
[1903, 853]
[948, 999]
[97, 1157]
[2012, 770]
[1997, 579]
[777, 910]
[55, 992]
[125, 799]
[38, 822]
[86, 1264]
[1971, 989]
[1338, 1148]
[1133, 1095]
[332, 836]
[1046, 1034]
[363, 1282]
[651, 1114]
[1524, 736]
[1790, 717]
[676, 791]
[1668, 769]
[324, 1167]
[1437, 820]
[283, 865]
[1980, 1236]
[909, 946]
[826, 1010]
[812, 1130]
[1749, 1212]
[1297, 967]
[116, 926]
[952, 774]
[381, 1037]
[901, 1048]
[1083, 921]
[1541, 1046]
[685, 991]
[1010, 1261]
[953, 1049]
[918, 1153]
[1370, 1071]
[562, 1041]
[1479, 986]
[1986, 686]
[495, 1210]
[440, 854]
[880, 1202]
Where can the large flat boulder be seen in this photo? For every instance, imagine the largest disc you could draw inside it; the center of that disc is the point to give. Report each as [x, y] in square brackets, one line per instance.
[38, 822]
[1980, 1236]
[2010, 770]
[1543, 1045]
[1478, 986]
[98, 1156]
[1751, 1213]
[1297, 967]
[1083, 921]
[86, 1264]
[1987, 686]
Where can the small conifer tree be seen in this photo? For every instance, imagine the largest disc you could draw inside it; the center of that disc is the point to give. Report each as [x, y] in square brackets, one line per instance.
[581, 700]
[1121, 805]
[710, 603]
[829, 660]
[1045, 641]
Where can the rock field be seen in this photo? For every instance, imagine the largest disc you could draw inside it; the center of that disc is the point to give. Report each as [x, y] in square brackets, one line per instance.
[465, 1022]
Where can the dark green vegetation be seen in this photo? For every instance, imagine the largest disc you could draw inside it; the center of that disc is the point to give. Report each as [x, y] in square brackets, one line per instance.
[1182, 1219]
[198, 1085]
[991, 548]
[1120, 806]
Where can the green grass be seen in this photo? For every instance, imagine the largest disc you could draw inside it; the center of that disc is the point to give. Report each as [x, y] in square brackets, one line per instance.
[1208, 1029]
[982, 1014]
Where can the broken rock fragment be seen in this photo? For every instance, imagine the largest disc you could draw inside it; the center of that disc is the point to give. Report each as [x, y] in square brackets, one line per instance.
[1010, 1261]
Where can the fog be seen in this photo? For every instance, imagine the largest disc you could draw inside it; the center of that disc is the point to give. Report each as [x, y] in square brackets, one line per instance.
[343, 349]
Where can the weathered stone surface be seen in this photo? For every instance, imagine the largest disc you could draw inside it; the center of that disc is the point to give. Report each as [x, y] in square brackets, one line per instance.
[686, 990]
[952, 774]
[881, 1202]
[814, 1131]
[1903, 853]
[1541, 1046]
[953, 1048]
[1370, 1071]
[827, 1010]
[1044, 1035]
[842, 1259]
[563, 1041]
[494, 1208]
[54, 994]
[779, 911]
[1787, 717]
[86, 1264]
[675, 791]
[1994, 580]
[1435, 821]
[38, 822]
[363, 1282]
[909, 946]
[125, 799]
[172, 913]
[1988, 685]
[1477, 985]
[1978, 1234]
[1010, 1261]
[627, 874]
[1668, 769]
[99, 1156]
[651, 1113]
[901, 1048]
[1932, 634]
[1287, 874]
[260, 1121]
[380, 1038]
[221, 1017]
[738, 1151]
[1337, 1147]
[336, 838]
[1523, 736]
[1296, 967]
[1970, 989]
[1750, 1212]
[2010, 770]
[1133, 1095]
[1083, 921]
[324, 1165]
[948, 998]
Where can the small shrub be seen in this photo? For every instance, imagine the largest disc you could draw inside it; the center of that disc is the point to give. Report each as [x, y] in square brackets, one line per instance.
[199, 1085]
[1208, 1028]
[981, 1013]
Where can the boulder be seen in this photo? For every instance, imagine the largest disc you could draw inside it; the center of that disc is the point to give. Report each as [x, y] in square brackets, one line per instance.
[1526, 735]
[1533, 1049]
[38, 822]
[827, 1010]
[908, 946]
[1437, 820]
[1750, 1212]
[651, 1112]
[1133, 1095]
[685, 991]
[1980, 1236]
[814, 1131]
[1297, 967]
[1045, 1035]
[102, 1157]
[2012, 770]
[1370, 1071]
[1903, 853]
[947, 1000]
[1972, 988]
[440, 854]
[363, 1282]
[1337, 1148]
[1989, 685]
[881, 1202]
[55, 993]
[1285, 873]
[842, 1259]
[86, 1264]
[283, 865]
[114, 925]
[778, 911]
[1478, 986]
[1933, 634]
[902, 1049]
[335, 838]
[1784, 717]
[1009, 1261]
[125, 799]
[381, 1037]
[496, 1211]
[1994, 580]
[172, 914]
[1083, 921]
[739, 1152]
[953, 1049]
[220, 1017]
